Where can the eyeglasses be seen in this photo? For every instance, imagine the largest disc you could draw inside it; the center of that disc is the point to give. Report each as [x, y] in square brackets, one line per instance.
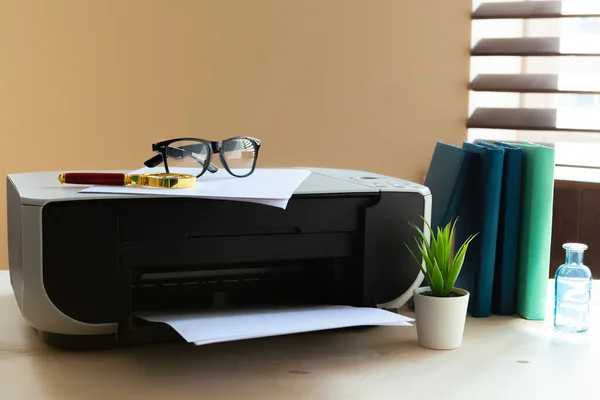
[238, 155]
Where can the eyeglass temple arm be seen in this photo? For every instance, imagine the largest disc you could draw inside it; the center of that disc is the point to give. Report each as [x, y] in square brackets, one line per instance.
[157, 159]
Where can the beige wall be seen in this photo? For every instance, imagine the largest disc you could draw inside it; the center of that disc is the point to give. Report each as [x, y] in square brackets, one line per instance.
[90, 84]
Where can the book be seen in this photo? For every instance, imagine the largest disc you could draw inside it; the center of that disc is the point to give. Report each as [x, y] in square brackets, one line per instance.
[504, 295]
[535, 230]
[446, 179]
[479, 215]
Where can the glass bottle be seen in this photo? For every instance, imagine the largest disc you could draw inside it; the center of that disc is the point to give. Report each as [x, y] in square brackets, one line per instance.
[572, 291]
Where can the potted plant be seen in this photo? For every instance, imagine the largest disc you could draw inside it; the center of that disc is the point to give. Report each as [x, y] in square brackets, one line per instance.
[440, 308]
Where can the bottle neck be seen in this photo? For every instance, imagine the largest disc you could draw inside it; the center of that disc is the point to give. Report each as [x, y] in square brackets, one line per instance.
[574, 257]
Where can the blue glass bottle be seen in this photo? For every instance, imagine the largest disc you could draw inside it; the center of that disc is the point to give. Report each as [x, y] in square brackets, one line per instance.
[572, 291]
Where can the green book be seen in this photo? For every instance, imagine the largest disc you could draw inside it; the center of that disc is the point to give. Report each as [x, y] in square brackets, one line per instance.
[536, 230]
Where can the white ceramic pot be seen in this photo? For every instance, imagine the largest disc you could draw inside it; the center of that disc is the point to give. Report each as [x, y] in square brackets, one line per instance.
[440, 320]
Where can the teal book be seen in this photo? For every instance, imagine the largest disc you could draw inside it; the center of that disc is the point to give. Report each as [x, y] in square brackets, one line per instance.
[480, 215]
[447, 178]
[536, 230]
[505, 276]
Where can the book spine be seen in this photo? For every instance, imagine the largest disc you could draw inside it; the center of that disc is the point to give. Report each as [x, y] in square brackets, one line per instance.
[534, 264]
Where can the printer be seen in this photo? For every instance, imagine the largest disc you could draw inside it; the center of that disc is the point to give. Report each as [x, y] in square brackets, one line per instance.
[82, 264]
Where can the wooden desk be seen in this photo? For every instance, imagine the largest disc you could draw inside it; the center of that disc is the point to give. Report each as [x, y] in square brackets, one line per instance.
[501, 358]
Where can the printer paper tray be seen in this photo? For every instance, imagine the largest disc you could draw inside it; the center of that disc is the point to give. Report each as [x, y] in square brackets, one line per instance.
[226, 287]
[249, 323]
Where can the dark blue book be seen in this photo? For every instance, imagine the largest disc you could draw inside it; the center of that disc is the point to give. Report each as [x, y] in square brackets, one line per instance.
[447, 178]
[504, 298]
[479, 215]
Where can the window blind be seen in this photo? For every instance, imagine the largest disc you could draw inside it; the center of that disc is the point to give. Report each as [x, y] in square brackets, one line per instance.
[535, 76]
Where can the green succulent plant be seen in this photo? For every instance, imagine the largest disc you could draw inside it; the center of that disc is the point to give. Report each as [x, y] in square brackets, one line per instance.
[442, 266]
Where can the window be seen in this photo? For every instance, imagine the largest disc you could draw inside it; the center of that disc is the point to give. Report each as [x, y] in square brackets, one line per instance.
[535, 76]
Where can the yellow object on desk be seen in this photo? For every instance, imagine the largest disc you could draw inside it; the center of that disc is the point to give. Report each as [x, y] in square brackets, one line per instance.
[153, 180]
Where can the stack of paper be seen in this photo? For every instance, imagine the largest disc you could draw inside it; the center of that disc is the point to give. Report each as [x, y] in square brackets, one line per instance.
[223, 326]
[273, 187]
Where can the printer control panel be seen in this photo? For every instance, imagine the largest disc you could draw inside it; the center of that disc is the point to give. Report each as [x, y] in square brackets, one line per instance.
[326, 180]
[385, 182]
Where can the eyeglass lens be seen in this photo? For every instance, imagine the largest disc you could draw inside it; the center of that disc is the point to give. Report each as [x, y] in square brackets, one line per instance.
[189, 156]
[239, 154]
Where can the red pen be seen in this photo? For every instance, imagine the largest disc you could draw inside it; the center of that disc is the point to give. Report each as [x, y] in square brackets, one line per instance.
[155, 180]
[95, 178]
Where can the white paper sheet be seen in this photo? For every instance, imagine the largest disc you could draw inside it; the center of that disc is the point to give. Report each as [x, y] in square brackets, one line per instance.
[222, 326]
[272, 187]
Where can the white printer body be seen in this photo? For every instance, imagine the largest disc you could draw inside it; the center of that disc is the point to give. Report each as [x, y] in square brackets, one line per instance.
[82, 264]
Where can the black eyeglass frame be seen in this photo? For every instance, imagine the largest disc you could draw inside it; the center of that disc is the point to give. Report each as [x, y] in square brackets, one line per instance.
[213, 147]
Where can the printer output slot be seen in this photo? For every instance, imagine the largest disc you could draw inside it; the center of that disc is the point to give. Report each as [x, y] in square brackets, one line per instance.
[191, 276]
[318, 281]
[156, 289]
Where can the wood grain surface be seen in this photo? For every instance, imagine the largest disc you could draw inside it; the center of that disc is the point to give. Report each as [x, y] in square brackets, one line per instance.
[501, 358]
